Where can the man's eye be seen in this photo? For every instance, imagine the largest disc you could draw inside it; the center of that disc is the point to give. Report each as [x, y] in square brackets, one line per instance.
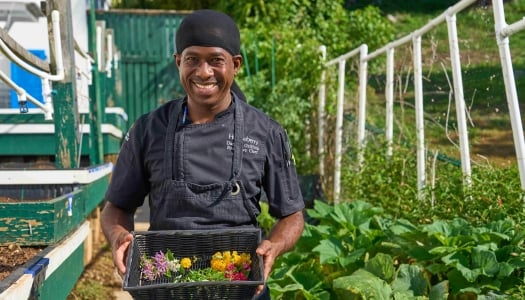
[191, 59]
[217, 61]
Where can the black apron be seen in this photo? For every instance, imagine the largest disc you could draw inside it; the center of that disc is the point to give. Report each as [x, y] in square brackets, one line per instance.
[180, 205]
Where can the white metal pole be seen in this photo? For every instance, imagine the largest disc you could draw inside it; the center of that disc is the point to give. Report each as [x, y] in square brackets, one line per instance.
[321, 113]
[420, 121]
[459, 99]
[361, 122]
[339, 130]
[389, 95]
[510, 87]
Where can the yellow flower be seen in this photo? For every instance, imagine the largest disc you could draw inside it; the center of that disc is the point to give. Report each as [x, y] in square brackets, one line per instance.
[185, 263]
[218, 265]
[217, 255]
[246, 258]
[237, 259]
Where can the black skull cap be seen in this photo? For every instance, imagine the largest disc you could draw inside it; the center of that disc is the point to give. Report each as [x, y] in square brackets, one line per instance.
[208, 28]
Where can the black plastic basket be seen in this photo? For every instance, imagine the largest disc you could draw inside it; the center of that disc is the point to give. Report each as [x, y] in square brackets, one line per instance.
[193, 243]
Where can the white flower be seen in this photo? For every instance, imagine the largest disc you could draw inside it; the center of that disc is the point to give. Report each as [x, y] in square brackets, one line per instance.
[174, 265]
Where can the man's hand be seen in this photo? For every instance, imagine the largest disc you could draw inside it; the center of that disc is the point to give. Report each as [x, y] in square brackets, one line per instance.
[120, 251]
[117, 224]
[269, 252]
[282, 238]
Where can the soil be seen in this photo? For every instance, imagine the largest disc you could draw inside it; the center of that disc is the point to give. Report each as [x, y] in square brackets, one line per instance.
[13, 256]
[101, 271]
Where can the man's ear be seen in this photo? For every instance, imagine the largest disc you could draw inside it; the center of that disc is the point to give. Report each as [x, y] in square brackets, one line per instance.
[177, 59]
[237, 62]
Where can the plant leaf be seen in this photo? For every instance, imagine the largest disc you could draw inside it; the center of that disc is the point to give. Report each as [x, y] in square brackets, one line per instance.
[364, 284]
[439, 291]
[410, 278]
[329, 250]
[381, 265]
[486, 261]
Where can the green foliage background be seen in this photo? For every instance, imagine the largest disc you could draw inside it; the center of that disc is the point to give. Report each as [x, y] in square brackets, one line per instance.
[282, 62]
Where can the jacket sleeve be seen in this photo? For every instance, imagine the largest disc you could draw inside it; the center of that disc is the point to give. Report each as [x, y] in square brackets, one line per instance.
[280, 180]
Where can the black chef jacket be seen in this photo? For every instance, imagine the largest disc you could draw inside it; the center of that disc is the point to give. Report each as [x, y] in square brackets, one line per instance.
[207, 157]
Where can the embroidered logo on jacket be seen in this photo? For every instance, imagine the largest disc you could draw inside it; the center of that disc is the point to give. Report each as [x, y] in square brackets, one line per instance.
[249, 144]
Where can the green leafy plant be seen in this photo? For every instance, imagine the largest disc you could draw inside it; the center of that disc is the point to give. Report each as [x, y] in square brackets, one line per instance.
[360, 252]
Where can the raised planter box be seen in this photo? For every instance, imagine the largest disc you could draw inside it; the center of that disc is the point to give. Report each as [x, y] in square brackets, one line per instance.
[29, 218]
[31, 134]
[52, 273]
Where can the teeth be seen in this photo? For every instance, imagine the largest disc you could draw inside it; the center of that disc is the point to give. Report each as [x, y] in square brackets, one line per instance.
[205, 86]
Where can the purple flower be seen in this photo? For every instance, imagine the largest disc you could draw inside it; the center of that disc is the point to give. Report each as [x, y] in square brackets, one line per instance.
[148, 271]
[161, 263]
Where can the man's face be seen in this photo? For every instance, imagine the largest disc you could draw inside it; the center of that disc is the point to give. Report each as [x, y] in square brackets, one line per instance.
[207, 73]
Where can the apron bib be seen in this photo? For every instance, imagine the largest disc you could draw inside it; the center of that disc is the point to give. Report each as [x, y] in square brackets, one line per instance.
[180, 205]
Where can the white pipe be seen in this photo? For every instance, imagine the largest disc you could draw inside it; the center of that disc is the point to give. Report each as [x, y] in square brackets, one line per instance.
[339, 130]
[109, 55]
[510, 87]
[420, 121]
[459, 99]
[389, 95]
[21, 92]
[513, 28]
[48, 99]
[361, 121]
[343, 57]
[321, 113]
[58, 54]
[429, 26]
[99, 47]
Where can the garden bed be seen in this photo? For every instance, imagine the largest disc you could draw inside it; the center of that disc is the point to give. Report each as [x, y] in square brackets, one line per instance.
[28, 217]
[13, 257]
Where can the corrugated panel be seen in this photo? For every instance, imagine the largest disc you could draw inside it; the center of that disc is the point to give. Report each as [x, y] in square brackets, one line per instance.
[146, 42]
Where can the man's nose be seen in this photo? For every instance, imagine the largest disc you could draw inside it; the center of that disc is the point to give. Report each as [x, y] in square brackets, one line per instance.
[204, 70]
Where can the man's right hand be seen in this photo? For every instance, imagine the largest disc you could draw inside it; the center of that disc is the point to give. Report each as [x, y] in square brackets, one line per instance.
[120, 251]
[116, 225]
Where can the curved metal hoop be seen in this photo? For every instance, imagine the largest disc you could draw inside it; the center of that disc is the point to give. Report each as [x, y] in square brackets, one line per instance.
[235, 189]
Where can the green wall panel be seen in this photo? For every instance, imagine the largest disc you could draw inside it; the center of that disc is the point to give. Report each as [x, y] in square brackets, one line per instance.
[148, 75]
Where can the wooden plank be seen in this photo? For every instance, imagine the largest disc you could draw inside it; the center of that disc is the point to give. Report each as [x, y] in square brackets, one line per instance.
[22, 53]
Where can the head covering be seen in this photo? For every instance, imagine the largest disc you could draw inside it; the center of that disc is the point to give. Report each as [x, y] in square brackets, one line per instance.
[208, 28]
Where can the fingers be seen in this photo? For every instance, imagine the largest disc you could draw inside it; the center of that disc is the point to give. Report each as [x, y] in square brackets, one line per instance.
[267, 251]
[259, 289]
[121, 252]
[264, 248]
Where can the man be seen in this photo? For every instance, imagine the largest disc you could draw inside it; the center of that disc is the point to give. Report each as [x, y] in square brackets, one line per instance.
[204, 160]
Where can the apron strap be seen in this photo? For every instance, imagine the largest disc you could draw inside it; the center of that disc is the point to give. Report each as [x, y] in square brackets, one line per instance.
[238, 137]
[169, 148]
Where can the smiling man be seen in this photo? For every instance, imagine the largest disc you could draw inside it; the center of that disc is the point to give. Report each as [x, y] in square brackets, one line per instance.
[204, 160]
